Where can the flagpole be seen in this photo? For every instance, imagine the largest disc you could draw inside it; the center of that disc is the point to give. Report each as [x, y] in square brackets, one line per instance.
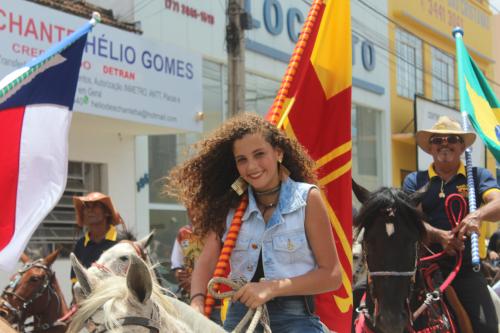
[458, 34]
[8, 82]
[59, 47]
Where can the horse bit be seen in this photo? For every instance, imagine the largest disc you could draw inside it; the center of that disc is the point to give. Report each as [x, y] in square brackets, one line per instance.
[10, 290]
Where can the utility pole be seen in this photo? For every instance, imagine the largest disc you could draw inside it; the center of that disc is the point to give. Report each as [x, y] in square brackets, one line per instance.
[238, 20]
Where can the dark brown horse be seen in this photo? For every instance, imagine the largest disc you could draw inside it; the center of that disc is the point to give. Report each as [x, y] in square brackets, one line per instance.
[34, 292]
[393, 233]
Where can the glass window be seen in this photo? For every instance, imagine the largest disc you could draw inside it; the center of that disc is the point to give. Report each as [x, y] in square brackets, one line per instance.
[165, 223]
[443, 78]
[366, 147]
[409, 64]
[162, 157]
[166, 151]
[260, 93]
[58, 229]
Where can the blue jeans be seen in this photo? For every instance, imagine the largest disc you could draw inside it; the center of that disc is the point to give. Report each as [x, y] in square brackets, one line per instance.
[293, 314]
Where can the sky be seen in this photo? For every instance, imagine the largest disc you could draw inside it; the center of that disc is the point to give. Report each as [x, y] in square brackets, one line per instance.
[495, 4]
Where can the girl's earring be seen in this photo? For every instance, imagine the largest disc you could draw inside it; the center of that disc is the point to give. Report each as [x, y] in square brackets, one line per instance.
[239, 186]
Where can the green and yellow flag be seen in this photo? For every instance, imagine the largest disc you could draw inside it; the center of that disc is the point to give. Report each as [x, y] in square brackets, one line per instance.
[478, 99]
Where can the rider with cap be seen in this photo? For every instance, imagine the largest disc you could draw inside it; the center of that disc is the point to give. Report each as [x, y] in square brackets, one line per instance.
[95, 212]
[446, 142]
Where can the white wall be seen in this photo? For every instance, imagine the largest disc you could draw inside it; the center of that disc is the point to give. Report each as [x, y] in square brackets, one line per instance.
[94, 139]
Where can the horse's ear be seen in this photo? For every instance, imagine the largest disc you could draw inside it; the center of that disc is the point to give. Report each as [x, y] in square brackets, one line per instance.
[81, 274]
[361, 193]
[25, 258]
[144, 243]
[49, 260]
[417, 196]
[139, 280]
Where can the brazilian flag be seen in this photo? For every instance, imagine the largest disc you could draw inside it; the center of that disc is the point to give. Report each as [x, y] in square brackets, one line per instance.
[478, 99]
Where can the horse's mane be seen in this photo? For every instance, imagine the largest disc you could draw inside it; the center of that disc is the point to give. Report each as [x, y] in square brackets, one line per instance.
[125, 235]
[385, 197]
[113, 290]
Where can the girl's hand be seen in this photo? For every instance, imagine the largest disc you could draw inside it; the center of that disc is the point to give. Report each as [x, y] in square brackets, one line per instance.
[254, 294]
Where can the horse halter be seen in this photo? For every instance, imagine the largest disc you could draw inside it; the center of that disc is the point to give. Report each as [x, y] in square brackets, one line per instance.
[10, 291]
[128, 321]
[390, 214]
[397, 273]
[154, 327]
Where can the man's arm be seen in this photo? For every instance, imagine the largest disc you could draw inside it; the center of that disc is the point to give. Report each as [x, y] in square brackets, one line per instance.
[490, 211]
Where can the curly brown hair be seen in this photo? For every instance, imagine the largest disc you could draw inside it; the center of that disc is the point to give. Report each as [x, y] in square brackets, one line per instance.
[203, 182]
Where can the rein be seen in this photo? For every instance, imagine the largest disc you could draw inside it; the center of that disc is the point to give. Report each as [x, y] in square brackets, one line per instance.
[254, 316]
[365, 321]
[454, 219]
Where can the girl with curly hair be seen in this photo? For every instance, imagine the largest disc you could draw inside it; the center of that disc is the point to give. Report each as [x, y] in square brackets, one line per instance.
[285, 248]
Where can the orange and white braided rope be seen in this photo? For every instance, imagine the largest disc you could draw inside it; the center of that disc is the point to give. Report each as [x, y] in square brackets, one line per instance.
[276, 112]
[227, 249]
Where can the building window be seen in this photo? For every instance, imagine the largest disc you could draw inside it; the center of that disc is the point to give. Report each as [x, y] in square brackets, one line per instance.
[366, 146]
[260, 93]
[409, 62]
[58, 229]
[443, 78]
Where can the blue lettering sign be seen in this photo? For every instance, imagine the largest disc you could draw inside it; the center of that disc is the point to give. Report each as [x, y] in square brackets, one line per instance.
[292, 17]
[368, 55]
[277, 27]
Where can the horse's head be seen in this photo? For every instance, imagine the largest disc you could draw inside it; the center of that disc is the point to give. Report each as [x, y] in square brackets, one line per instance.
[123, 301]
[28, 291]
[393, 231]
[114, 299]
[115, 261]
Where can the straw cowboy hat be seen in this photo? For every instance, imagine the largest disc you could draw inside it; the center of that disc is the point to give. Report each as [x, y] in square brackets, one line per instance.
[444, 126]
[78, 202]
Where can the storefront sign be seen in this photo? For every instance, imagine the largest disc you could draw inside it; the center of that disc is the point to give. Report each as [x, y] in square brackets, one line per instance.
[123, 75]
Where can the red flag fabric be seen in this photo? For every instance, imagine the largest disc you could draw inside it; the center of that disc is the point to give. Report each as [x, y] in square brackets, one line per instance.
[314, 106]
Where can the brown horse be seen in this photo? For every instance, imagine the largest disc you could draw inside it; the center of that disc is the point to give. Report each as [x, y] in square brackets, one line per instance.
[34, 292]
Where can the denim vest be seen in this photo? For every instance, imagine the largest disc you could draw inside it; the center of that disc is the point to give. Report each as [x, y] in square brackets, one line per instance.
[285, 250]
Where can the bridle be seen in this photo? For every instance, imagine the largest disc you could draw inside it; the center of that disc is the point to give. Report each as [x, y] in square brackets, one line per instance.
[10, 292]
[411, 274]
[126, 321]
[95, 327]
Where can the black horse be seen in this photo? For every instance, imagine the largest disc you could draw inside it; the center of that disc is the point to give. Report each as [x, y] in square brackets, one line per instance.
[393, 233]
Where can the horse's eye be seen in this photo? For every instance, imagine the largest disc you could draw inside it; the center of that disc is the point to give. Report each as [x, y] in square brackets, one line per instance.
[35, 278]
[124, 258]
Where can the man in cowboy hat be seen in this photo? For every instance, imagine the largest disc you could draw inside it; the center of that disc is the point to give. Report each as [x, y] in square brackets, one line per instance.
[95, 212]
[446, 142]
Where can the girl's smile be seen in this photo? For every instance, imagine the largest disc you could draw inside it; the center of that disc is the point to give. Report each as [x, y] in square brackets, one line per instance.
[257, 161]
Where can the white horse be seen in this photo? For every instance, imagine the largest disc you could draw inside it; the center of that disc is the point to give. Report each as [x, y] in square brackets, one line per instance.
[115, 261]
[117, 302]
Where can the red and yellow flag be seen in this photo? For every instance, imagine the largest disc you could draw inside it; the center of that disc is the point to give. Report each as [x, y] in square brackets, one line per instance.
[314, 106]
